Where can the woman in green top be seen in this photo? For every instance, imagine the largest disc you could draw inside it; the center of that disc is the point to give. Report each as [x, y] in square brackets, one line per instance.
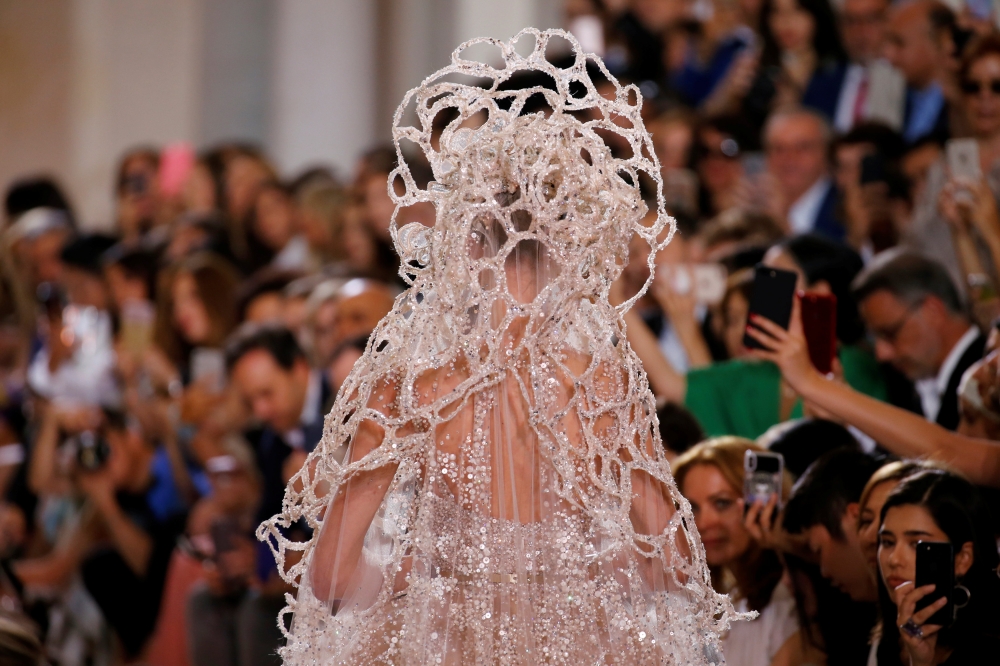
[743, 396]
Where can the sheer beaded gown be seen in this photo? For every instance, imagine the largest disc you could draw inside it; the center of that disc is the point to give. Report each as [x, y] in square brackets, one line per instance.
[491, 487]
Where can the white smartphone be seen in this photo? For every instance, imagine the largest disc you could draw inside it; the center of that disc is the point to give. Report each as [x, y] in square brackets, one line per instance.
[210, 363]
[963, 159]
[886, 95]
[705, 282]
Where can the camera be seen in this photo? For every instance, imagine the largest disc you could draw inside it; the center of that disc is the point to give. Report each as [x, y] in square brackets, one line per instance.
[92, 450]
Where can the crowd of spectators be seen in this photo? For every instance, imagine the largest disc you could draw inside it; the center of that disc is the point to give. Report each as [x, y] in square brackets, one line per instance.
[161, 383]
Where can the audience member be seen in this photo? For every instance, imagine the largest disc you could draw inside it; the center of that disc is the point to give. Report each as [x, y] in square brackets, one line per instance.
[710, 475]
[862, 27]
[939, 506]
[911, 306]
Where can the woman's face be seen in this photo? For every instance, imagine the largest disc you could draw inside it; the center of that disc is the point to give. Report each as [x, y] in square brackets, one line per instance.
[719, 172]
[718, 513]
[869, 522]
[190, 315]
[982, 103]
[735, 316]
[792, 26]
[903, 527]
[275, 220]
[199, 190]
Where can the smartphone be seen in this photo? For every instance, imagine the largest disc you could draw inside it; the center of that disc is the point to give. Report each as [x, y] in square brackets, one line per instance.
[137, 319]
[762, 472]
[936, 566]
[211, 363]
[773, 290]
[886, 95]
[819, 321]
[872, 169]
[705, 282]
[963, 158]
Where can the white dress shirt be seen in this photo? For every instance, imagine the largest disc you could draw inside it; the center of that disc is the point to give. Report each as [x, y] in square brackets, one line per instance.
[802, 214]
[844, 117]
[932, 389]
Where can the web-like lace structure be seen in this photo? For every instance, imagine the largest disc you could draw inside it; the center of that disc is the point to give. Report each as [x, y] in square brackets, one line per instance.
[502, 495]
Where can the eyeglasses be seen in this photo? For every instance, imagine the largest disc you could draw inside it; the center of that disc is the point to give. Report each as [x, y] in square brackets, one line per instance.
[976, 87]
[890, 333]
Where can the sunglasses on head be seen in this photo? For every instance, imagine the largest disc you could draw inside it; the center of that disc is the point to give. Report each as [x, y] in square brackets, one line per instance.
[975, 87]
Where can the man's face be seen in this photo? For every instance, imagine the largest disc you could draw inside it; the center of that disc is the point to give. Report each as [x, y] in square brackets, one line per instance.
[841, 561]
[904, 334]
[276, 396]
[910, 44]
[796, 153]
[863, 29]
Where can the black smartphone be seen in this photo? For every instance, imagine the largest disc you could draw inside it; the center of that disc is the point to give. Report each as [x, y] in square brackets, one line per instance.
[936, 566]
[872, 169]
[773, 290]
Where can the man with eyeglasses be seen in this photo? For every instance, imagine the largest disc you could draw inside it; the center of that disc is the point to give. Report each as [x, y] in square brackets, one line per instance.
[862, 27]
[913, 310]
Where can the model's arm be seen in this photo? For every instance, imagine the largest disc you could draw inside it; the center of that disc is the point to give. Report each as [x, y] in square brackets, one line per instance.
[898, 430]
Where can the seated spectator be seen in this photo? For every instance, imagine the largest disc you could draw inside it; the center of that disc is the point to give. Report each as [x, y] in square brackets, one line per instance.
[710, 476]
[77, 360]
[801, 191]
[802, 61]
[873, 497]
[262, 297]
[911, 306]
[130, 274]
[322, 208]
[36, 238]
[361, 305]
[719, 145]
[819, 538]
[824, 507]
[274, 224]
[273, 377]
[342, 361]
[862, 29]
[920, 44]
[137, 193]
[737, 239]
[965, 226]
[935, 505]
[125, 575]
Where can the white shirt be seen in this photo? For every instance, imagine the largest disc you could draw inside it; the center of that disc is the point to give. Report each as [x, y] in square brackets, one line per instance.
[932, 389]
[754, 643]
[802, 214]
[843, 118]
[670, 342]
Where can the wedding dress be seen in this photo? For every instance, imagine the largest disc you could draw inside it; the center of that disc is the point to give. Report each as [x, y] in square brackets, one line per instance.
[502, 495]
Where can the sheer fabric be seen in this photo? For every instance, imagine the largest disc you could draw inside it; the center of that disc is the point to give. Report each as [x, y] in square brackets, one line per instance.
[503, 496]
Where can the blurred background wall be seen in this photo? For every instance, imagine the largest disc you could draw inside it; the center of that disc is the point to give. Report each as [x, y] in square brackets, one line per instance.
[311, 81]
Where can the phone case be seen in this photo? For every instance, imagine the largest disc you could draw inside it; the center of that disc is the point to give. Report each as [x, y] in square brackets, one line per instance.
[819, 321]
[773, 290]
[762, 471]
[963, 158]
[936, 566]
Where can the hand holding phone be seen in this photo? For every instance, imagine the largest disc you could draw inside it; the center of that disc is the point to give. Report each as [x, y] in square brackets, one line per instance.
[773, 290]
[762, 472]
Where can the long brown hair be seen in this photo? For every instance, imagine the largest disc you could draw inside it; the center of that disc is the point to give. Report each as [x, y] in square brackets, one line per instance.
[760, 570]
[217, 282]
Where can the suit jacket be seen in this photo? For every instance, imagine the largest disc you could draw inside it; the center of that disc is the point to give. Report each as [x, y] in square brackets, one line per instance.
[828, 222]
[948, 415]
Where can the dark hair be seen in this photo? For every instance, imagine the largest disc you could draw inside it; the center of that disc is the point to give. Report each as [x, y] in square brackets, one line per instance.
[141, 154]
[84, 252]
[888, 142]
[837, 265]
[826, 38]
[804, 441]
[36, 192]
[275, 339]
[821, 495]
[960, 511]
[265, 281]
[679, 429]
[138, 263]
[980, 48]
[910, 277]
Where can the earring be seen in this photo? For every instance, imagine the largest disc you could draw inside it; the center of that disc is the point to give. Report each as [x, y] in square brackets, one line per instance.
[968, 597]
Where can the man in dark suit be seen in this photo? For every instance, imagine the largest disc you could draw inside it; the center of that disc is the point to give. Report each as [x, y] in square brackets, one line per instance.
[913, 309]
[285, 395]
[797, 143]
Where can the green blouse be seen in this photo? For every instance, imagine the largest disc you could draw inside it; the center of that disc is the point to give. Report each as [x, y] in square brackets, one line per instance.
[743, 398]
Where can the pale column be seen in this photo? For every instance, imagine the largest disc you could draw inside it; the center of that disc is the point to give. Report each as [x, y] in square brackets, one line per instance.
[323, 94]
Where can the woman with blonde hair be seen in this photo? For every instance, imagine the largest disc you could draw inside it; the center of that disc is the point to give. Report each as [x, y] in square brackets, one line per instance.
[710, 476]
